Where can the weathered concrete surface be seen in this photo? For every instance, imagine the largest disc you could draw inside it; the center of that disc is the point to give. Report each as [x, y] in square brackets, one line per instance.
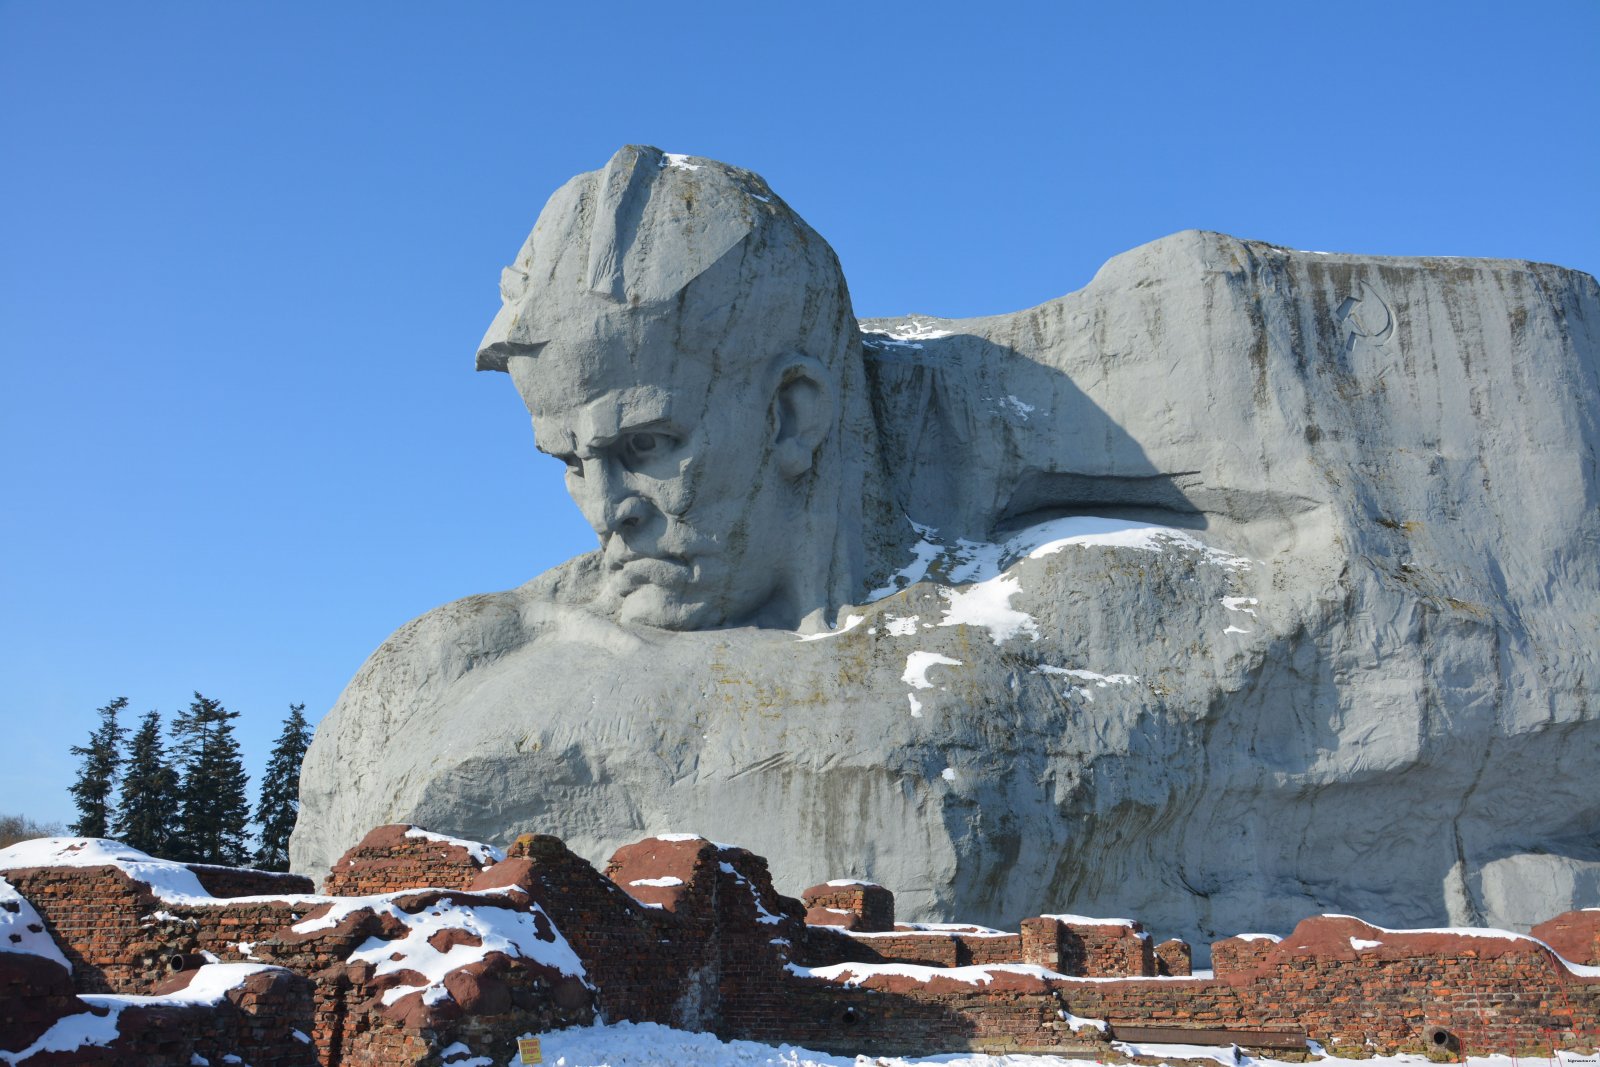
[1352, 676]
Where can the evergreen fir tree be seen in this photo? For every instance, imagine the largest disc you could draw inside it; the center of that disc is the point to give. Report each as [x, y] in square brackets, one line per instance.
[147, 811]
[97, 775]
[280, 791]
[213, 808]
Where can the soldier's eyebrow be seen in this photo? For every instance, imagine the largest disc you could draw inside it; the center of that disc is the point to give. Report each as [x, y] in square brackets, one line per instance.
[661, 426]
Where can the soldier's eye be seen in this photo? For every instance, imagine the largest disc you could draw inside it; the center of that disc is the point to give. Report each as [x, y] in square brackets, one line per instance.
[574, 464]
[643, 443]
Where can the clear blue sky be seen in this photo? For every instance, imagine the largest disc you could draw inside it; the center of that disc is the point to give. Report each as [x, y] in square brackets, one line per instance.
[247, 250]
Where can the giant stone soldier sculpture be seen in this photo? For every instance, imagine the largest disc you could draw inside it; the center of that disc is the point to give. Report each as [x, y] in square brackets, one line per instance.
[1241, 584]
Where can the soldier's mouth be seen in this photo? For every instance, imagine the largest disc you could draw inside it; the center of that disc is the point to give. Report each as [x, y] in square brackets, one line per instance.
[630, 574]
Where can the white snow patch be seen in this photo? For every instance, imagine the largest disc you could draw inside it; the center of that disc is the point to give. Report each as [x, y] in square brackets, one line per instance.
[948, 774]
[167, 916]
[1240, 603]
[1226, 1054]
[916, 705]
[1088, 920]
[171, 882]
[850, 623]
[969, 929]
[678, 837]
[1018, 408]
[22, 930]
[982, 565]
[840, 883]
[483, 855]
[1235, 630]
[853, 974]
[1101, 681]
[679, 160]
[71, 1033]
[1274, 938]
[1078, 1022]
[917, 664]
[923, 555]
[514, 933]
[901, 626]
[1359, 944]
[987, 604]
[1583, 970]
[653, 1045]
[662, 882]
[763, 915]
[906, 335]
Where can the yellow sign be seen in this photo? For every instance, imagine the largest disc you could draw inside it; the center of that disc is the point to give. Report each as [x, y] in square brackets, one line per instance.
[528, 1050]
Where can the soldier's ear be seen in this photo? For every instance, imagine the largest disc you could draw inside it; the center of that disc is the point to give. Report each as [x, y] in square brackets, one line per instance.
[802, 415]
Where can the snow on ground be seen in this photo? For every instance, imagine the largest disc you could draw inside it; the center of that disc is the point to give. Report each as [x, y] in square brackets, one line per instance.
[853, 974]
[650, 1045]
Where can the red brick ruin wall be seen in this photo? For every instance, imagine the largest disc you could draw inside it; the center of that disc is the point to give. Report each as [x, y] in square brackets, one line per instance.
[690, 934]
[388, 860]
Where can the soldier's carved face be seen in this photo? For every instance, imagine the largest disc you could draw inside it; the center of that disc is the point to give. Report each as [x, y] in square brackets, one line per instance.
[676, 469]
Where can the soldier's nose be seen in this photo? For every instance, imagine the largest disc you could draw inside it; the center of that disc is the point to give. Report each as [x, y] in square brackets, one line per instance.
[627, 513]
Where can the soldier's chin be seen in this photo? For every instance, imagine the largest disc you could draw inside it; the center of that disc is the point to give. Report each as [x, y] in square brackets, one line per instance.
[666, 609]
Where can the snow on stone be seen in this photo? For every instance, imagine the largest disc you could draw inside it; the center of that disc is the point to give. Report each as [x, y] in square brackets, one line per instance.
[678, 837]
[1235, 630]
[900, 625]
[1583, 970]
[917, 664]
[514, 933]
[970, 929]
[1088, 920]
[916, 705]
[853, 974]
[678, 160]
[981, 566]
[923, 553]
[850, 623]
[1274, 938]
[1017, 407]
[1240, 603]
[906, 335]
[460, 1055]
[988, 605]
[948, 774]
[763, 915]
[1226, 1054]
[209, 986]
[22, 930]
[1100, 681]
[661, 883]
[171, 882]
[840, 883]
[1078, 1022]
[71, 1033]
[1359, 944]
[483, 855]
